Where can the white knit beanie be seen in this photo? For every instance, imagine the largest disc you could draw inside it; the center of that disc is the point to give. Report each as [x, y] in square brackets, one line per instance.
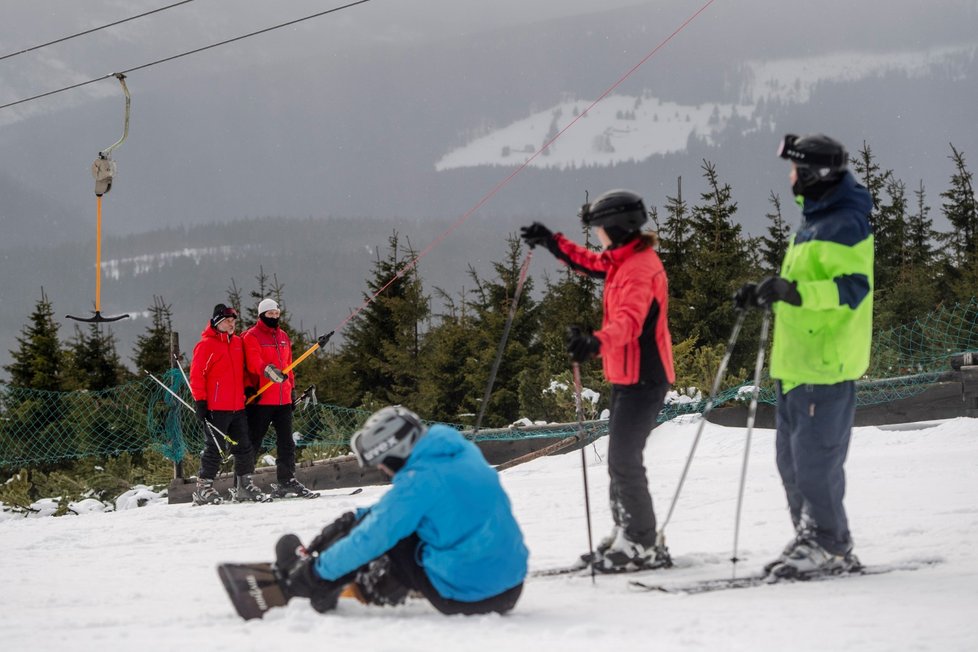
[265, 305]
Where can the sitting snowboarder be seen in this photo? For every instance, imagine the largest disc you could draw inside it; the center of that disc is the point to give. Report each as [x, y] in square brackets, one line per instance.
[445, 529]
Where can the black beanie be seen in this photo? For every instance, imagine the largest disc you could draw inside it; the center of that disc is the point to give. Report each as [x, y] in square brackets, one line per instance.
[222, 312]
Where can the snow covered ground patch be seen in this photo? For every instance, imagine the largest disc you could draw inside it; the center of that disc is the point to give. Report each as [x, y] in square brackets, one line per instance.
[144, 579]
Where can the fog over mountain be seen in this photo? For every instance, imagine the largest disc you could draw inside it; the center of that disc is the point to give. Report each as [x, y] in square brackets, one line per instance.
[408, 114]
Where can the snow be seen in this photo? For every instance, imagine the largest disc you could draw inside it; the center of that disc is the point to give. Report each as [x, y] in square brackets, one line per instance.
[625, 128]
[143, 579]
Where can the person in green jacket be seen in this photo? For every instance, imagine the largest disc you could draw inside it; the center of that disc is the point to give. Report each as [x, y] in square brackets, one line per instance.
[823, 309]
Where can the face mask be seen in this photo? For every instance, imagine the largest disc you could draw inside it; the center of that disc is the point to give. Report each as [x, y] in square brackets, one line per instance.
[271, 322]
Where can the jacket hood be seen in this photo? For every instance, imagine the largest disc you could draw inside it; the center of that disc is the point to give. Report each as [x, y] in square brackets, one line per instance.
[213, 334]
[437, 441]
[847, 194]
[621, 252]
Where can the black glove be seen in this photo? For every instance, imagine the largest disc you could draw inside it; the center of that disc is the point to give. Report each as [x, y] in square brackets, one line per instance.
[333, 532]
[536, 234]
[775, 288]
[745, 297]
[324, 338]
[249, 392]
[377, 585]
[202, 412]
[581, 345]
[303, 582]
[293, 398]
[288, 551]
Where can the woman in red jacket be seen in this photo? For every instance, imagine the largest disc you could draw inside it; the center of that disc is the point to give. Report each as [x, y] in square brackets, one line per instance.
[636, 353]
[217, 384]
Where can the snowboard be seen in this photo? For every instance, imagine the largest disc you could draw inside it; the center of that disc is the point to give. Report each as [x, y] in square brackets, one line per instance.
[253, 588]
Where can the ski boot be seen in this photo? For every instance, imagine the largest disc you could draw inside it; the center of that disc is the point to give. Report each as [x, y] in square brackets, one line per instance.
[589, 557]
[292, 488]
[624, 556]
[246, 491]
[206, 494]
[807, 559]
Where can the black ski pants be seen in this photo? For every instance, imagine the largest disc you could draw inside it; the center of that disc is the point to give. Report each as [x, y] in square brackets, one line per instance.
[814, 425]
[260, 417]
[234, 424]
[634, 409]
[410, 573]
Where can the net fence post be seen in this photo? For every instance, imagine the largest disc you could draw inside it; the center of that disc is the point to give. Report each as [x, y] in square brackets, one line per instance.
[174, 358]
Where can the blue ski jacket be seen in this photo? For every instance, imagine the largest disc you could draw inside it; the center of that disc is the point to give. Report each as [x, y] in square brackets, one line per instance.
[470, 546]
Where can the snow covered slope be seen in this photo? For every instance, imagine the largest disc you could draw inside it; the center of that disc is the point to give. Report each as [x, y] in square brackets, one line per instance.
[144, 579]
[628, 129]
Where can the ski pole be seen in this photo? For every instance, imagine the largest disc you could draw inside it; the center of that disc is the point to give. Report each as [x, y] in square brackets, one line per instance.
[502, 341]
[579, 405]
[311, 390]
[320, 343]
[660, 538]
[212, 428]
[751, 413]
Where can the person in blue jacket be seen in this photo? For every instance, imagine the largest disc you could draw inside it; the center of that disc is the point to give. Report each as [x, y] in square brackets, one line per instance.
[445, 528]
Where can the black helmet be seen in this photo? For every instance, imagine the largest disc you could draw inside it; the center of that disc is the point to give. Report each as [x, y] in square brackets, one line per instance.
[820, 160]
[621, 209]
[387, 437]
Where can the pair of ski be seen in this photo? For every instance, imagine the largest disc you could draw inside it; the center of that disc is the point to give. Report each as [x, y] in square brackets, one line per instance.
[308, 496]
[749, 581]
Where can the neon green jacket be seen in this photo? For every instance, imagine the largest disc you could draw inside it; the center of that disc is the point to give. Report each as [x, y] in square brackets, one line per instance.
[827, 339]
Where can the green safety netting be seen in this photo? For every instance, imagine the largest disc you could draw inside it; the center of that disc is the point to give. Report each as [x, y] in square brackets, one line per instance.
[904, 361]
[38, 427]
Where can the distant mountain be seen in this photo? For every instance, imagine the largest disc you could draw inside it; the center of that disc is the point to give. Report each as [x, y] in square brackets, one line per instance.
[633, 129]
[407, 128]
[322, 265]
[341, 130]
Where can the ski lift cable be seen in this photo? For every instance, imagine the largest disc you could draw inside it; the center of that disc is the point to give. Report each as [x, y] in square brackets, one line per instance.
[94, 29]
[495, 189]
[185, 54]
[499, 186]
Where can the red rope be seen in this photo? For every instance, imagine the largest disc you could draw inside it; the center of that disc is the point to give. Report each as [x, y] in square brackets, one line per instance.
[499, 186]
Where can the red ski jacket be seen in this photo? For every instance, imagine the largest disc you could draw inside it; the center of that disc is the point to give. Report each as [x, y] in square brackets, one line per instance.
[635, 341]
[264, 346]
[217, 370]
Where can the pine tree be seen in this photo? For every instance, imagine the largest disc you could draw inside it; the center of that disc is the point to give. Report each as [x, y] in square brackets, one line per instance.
[234, 299]
[383, 341]
[773, 247]
[718, 264]
[920, 236]
[960, 207]
[872, 178]
[914, 289]
[446, 390]
[152, 350]
[573, 300]
[93, 363]
[675, 241]
[887, 219]
[890, 236]
[250, 315]
[38, 363]
[490, 306]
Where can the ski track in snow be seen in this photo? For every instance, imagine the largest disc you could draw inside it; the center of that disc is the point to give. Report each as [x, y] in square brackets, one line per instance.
[144, 579]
